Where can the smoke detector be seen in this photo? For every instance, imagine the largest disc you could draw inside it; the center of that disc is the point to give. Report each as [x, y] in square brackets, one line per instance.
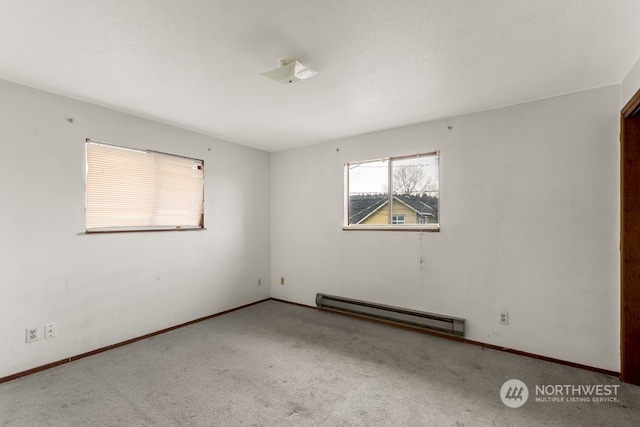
[289, 71]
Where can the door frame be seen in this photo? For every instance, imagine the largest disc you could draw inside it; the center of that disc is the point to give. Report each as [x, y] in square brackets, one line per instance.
[630, 241]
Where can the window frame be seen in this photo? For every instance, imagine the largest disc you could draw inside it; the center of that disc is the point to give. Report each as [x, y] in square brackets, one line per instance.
[419, 227]
[157, 180]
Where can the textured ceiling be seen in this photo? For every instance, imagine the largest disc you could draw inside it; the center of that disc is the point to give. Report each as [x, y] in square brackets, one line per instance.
[381, 64]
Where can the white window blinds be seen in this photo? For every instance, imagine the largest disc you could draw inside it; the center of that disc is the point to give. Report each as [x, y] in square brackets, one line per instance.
[130, 190]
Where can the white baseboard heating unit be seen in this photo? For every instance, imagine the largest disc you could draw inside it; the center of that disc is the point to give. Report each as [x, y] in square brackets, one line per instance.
[417, 319]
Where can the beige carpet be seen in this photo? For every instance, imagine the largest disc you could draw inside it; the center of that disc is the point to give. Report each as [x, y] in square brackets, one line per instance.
[276, 364]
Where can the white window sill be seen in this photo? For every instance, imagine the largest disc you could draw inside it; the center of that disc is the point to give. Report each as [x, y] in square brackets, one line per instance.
[140, 229]
[423, 228]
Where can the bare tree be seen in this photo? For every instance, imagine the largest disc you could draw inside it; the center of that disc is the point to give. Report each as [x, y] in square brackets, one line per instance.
[411, 180]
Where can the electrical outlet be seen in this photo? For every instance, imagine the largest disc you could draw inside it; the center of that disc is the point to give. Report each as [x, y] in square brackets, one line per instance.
[31, 335]
[50, 330]
[259, 282]
[282, 280]
[504, 317]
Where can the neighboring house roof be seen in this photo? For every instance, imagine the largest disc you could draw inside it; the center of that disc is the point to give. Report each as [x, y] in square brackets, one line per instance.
[363, 206]
[417, 204]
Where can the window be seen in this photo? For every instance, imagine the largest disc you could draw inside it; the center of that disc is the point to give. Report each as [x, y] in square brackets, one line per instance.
[394, 193]
[136, 190]
[397, 219]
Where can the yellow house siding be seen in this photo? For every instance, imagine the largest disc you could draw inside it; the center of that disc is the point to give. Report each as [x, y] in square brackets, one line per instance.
[381, 216]
[378, 217]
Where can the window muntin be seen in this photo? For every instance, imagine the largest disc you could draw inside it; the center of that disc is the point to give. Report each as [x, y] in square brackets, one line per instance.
[412, 203]
[138, 190]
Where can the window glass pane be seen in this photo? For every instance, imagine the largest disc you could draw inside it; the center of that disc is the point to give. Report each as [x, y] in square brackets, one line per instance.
[415, 189]
[119, 187]
[178, 191]
[368, 192]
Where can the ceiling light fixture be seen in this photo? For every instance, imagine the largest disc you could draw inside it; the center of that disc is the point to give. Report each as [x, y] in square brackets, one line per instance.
[289, 71]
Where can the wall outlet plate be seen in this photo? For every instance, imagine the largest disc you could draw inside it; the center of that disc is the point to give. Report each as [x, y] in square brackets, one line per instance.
[31, 335]
[50, 330]
[504, 317]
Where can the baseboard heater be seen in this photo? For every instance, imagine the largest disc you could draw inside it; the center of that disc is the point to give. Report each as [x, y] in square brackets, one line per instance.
[418, 319]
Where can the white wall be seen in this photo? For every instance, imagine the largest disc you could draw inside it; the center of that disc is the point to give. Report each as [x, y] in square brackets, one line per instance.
[631, 84]
[529, 218]
[103, 289]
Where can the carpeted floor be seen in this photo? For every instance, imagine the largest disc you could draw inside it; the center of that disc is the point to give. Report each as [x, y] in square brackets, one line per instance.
[277, 364]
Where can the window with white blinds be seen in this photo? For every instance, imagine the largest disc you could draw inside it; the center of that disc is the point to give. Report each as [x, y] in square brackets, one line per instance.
[137, 190]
